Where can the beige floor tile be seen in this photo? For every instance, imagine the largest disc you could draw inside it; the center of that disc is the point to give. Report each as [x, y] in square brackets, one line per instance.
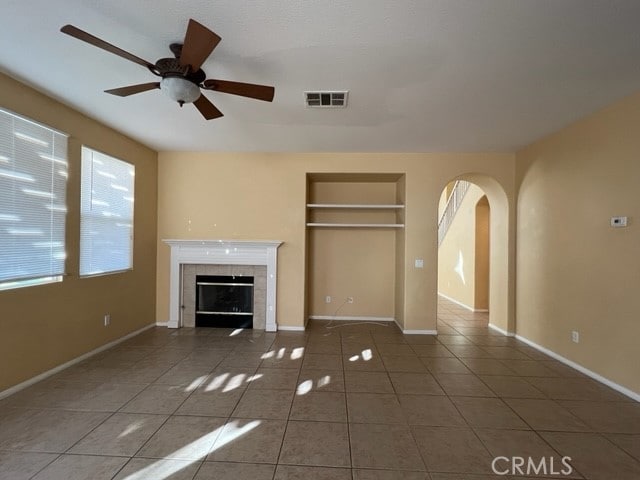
[487, 366]
[606, 417]
[469, 351]
[368, 382]
[629, 443]
[374, 408]
[290, 358]
[452, 449]
[183, 438]
[511, 387]
[290, 472]
[518, 443]
[82, 467]
[321, 444]
[506, 353]
[387, 349]
[242, 359]
[322, 361]
[320, 406]
[215, 403]
[546, 415]
[160, 399]
[235, 471]
[120, 435]
[150, 469]
[185, 375]
[488, 412]
[46, 430]
[23, 466]
[268, 404]
[361, 474]
[363, 363]
[531, 368]
[454, 340]
[575, 389]
[445, 365]
[275, 379]
[430, 410]
[594, 456]
[436, 350]
[321, 380]
[384, 447]
[249, 440]
[403, 363]
[415, 383]
[463, 385]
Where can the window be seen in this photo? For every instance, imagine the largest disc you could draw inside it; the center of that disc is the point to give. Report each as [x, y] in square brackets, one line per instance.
[106, 214]
[33, 179]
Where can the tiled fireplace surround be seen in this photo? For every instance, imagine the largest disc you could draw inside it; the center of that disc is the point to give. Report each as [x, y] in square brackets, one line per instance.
[258, 272]
[257, 258]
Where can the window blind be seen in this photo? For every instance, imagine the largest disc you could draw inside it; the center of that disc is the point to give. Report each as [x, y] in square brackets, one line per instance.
[33, 178]
[106, 214]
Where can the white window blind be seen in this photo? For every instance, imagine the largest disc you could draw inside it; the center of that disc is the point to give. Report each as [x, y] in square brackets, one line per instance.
[33, 179]
[106, 214]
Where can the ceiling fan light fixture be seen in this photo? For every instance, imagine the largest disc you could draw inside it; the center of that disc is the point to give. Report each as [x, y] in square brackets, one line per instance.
[180, 89]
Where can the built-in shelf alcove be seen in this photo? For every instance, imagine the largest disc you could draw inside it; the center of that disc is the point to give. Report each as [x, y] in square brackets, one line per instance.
[354, 244]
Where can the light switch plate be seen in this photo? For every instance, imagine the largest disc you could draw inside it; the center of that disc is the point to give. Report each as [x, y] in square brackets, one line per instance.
[419, 263]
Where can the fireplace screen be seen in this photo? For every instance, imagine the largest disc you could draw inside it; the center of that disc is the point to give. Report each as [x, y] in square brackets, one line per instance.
[224, 301]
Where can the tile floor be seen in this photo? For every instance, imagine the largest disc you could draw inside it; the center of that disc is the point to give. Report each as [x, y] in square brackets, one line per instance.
[339, 401]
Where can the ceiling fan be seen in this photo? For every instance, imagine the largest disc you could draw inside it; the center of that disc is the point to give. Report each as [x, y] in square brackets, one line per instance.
[181, 78]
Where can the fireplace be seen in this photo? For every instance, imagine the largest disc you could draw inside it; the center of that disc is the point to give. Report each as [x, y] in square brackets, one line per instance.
[256, 258]
[224, 301]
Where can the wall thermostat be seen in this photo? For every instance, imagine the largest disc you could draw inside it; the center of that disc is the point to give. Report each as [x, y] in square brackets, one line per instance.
[618, 222]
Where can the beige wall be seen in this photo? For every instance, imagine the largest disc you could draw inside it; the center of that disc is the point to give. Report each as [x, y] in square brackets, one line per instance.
[47, 325]
[575, 272]
[457, 253]
[482, 255]
[263, 196]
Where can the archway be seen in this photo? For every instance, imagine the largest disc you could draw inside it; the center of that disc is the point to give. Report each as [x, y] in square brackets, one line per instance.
[487, 254]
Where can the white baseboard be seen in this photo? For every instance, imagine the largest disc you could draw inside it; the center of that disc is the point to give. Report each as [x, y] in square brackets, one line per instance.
[162, 324]
[287, 328]
[352, 318]
[59, 368]
[599, 378]
[463, 305]
[501, 330]
[416, 332]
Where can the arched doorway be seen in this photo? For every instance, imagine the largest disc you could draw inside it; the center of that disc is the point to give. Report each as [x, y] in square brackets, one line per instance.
[474, 253]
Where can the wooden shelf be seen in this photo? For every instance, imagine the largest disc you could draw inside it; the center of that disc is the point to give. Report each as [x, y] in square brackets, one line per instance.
[357, 225]
[354, 206]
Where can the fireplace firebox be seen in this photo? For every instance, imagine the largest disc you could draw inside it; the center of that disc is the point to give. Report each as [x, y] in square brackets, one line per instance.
[224, 301]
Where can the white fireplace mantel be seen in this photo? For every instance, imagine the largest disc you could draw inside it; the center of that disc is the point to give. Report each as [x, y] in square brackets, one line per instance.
[222, 252]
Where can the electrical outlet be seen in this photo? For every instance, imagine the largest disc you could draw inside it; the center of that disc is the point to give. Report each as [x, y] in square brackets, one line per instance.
[575, 336]
[349, 299]
[107, 319]
[327, 299]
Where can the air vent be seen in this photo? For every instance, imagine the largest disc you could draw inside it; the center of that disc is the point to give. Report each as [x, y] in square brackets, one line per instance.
[326, 99]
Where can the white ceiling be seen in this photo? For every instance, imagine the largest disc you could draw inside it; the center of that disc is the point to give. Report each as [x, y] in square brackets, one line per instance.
[423, 75]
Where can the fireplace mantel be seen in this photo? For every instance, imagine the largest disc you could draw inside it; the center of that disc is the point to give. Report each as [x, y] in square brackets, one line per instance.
[222, 252]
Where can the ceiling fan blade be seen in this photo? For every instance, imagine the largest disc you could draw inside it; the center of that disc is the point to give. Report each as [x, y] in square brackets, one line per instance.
[199, 42]
[206, 108]
[259, 92]
[97, 42]
[133, 89]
